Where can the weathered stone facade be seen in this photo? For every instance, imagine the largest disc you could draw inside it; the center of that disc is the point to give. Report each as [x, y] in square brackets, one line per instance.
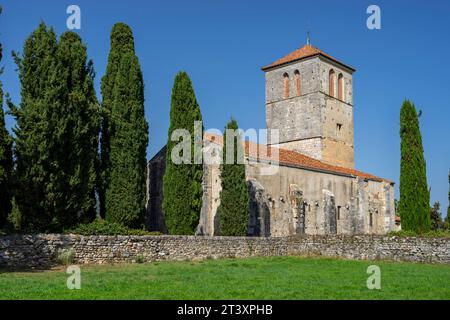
[312, 187]
[297, 200]
[42, 251]
[313, 123]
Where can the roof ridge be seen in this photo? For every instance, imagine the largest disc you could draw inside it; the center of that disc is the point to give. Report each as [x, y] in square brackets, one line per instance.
[292, 157]
[306, 51]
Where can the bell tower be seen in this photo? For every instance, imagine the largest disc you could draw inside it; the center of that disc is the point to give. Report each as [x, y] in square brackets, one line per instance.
[309, 100]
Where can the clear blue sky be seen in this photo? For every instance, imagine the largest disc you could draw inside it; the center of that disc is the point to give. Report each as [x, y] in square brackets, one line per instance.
[223, 43]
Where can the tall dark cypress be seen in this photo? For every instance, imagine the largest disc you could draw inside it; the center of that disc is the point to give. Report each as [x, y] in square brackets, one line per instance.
[121, 43]
[6, 162]
[79, 123]
[182, 186]
[448, 208]
[37, 172]
[125, 195]
[57, 127]
[234, 203]
[414, 194]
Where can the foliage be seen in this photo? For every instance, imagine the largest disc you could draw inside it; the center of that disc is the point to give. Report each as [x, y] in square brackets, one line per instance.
[414, 193]
[396, 207]
[66, 256]
[126, 193]
[435, 217]
[79, 124]
[105, 228]
[234, 201]
[6, 159]
[56, 132]
[35, 166]
[447, 220]
[121, 42]
[140, 259]
[125, 133]
[182, 186]
[14, 222]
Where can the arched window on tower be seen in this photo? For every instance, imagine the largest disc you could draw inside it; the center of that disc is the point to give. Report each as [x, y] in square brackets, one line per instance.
[286, 86]
[331, 83]
[341, 87]
[297, 83]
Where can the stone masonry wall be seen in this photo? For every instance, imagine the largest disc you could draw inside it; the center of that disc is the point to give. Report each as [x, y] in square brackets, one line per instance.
[41, 251]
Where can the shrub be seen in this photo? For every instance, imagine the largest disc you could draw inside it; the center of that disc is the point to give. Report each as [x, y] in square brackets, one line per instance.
[140, 259]
[102, 227]
[66, 256]
[15, 218]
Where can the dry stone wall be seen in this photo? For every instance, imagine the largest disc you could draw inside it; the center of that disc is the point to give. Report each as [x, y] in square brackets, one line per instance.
[42, 250]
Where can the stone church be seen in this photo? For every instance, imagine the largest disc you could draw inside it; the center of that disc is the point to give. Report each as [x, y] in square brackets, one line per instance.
[312, 186]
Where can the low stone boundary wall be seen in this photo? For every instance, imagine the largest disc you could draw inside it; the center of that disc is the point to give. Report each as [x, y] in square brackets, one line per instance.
[45, 250]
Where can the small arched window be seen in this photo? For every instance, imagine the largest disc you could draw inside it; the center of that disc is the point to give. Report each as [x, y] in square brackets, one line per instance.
[341, 87]
[286, 86]
[297, 83]
[331, 83]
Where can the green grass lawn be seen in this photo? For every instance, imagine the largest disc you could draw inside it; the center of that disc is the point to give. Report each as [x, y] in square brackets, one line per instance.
[254, 278]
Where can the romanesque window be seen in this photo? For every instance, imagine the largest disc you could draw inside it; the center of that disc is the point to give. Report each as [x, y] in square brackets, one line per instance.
[339, 212]
[341, 87]
[370, 220]
[297, 82]
[286, 86]
[331, 83]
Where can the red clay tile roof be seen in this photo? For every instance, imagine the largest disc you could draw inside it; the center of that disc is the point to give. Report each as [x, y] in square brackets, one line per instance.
[304, 52]
[293, 158]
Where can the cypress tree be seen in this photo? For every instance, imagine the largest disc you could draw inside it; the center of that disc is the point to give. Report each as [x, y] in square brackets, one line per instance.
[414, 195]
[448, 208]
[56, 130]
[126, 193]
[234, 202]
[121, 42]
[36, 170]
[79, 123]
[182, 186]
[6, 162]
